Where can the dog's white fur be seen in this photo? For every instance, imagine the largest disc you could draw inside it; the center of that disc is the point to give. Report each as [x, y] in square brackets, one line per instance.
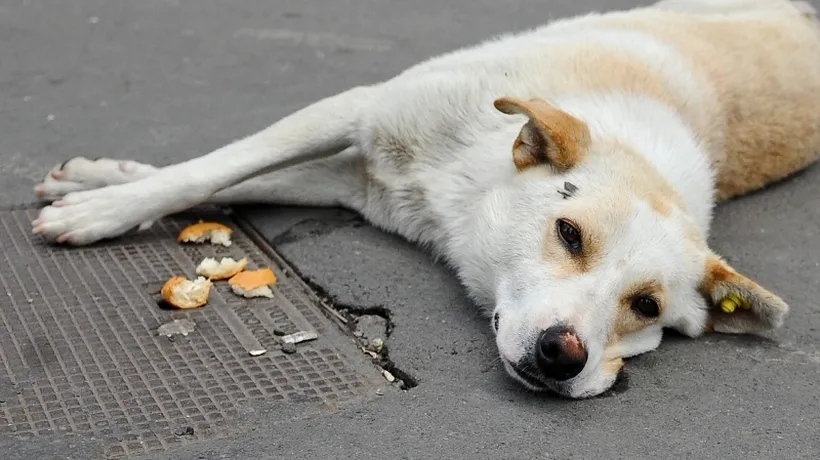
[426, 155]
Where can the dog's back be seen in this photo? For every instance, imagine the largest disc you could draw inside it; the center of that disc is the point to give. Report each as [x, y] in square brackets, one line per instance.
[746, 81]
[764, 66]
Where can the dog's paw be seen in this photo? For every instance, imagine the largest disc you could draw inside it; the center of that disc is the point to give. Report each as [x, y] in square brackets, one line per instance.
[86, 217]
[79, 174]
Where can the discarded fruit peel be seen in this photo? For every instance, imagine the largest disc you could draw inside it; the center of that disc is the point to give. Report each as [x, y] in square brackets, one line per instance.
[186, 294]
[253, 283]
[183, 293]
[210, 232]
[224, 269]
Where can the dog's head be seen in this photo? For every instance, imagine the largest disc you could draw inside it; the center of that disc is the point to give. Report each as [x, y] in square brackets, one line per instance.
[600, 255]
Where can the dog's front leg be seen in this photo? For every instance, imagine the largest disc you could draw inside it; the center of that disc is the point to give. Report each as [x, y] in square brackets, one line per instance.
[319, 130]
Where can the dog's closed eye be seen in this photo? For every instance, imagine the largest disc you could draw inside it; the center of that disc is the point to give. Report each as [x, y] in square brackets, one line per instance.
[570, 236]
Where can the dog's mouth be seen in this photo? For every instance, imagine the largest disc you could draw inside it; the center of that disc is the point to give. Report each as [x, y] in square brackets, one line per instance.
[529, 379]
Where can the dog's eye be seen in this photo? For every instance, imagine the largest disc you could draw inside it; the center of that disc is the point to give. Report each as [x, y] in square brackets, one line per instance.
[645, 306]
[570, 236]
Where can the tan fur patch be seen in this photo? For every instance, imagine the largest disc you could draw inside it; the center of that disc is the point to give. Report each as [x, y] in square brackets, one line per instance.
[551, 136]
[564, 263]
[766, 311]
[627, 321]
[609, 69]
[642, 179]
[717, 272]
[694, 236]
[766, 75]
[612, 366]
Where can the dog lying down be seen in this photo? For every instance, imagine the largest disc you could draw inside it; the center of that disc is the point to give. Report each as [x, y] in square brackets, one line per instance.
[567, 173]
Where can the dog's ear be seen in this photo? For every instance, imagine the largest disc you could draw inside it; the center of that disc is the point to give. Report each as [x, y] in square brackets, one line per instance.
[550, 137]
[738, 305]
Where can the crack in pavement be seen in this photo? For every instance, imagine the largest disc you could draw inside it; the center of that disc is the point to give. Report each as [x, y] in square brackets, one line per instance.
[353, 314]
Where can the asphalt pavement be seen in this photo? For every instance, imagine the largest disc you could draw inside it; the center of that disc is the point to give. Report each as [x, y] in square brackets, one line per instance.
[161, 81]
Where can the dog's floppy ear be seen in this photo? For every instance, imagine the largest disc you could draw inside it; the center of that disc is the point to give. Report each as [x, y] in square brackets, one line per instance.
[550, 137]
[738, 305]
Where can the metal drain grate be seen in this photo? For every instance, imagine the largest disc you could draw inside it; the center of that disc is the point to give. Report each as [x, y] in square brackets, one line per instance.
[80, 351]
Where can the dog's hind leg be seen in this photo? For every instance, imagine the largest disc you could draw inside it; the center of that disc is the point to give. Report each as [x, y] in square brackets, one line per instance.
[317, 131]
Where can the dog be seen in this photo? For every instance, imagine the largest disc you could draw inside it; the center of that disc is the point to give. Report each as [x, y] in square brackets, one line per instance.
[567, 173]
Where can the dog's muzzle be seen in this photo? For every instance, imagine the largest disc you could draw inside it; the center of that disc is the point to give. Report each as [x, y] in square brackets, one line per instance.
[559, 353]
[556, 356]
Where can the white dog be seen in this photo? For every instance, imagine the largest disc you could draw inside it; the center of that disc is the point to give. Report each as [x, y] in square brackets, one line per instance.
[568, 173]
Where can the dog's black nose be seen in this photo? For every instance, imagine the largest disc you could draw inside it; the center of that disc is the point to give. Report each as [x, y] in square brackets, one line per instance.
[559, 353]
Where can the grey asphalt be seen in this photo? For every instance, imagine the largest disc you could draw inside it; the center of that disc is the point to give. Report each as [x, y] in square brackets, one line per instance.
[162, 81]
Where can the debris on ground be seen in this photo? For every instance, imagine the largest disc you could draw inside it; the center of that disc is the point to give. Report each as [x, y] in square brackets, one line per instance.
[185, 431]
[301, 336]
[371, 326]
[388, 376]
[221, 270]
[181, 327]
[253, 283]
[186, 294]
[289, 341]
[206, 232]
[258, 352]
[375, 345]
[370, 353]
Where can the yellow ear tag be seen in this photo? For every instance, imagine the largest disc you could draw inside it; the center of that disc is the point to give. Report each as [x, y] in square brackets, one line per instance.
[732, 301]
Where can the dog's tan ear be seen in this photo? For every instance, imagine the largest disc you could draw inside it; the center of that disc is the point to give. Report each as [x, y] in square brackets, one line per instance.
[737, 304]
[550, 137]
